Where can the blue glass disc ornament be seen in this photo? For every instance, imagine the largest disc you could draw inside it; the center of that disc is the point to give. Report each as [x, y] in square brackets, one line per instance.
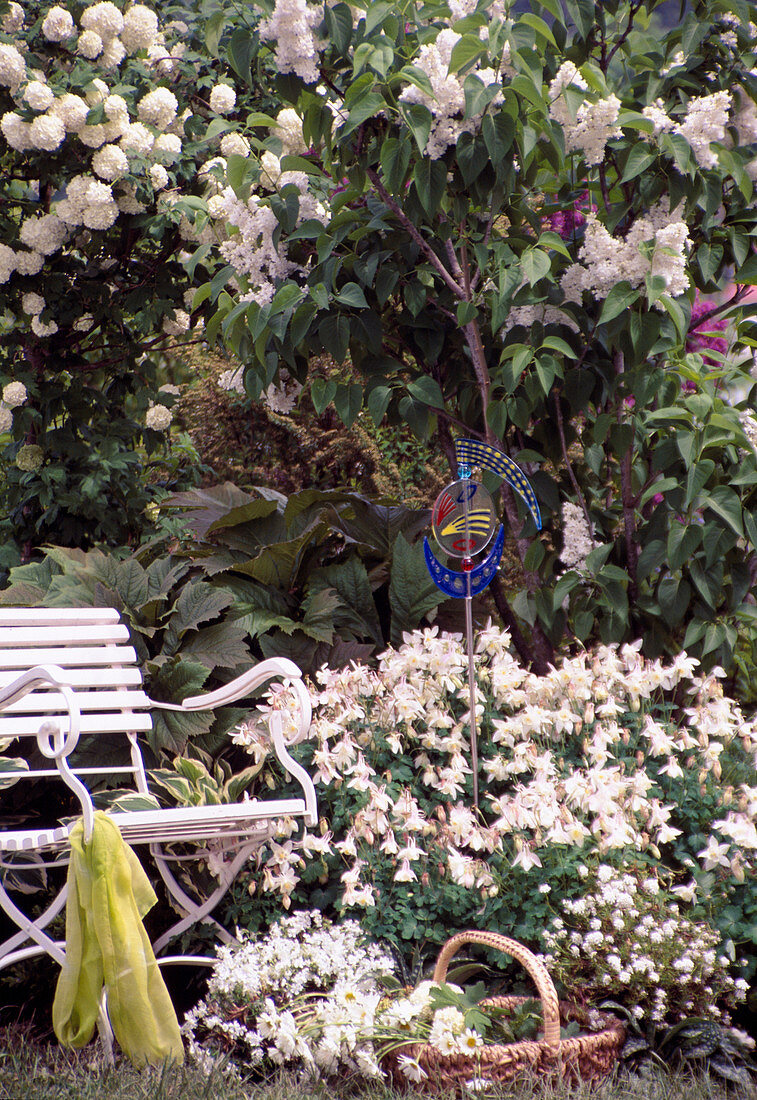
[464, 521]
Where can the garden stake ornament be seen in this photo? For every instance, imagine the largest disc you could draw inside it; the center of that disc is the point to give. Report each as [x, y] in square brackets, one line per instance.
[464, 521]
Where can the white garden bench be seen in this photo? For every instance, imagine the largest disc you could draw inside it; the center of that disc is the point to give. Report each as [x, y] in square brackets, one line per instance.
[71, 672]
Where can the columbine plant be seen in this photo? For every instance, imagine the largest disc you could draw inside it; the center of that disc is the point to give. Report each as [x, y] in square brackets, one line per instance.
[627, 940]
[593, 762]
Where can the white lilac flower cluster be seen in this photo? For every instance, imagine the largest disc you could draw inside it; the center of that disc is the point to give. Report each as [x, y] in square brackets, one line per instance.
[704, 122]
[578, 541]
[585, 757]
[655, 244]
[626, 939]
[447, 103]
[292, 27]
[135, 137]
[305, 992]
[593, 124]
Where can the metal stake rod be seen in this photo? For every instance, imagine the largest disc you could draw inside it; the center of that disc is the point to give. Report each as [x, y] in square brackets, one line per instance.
[467, 564]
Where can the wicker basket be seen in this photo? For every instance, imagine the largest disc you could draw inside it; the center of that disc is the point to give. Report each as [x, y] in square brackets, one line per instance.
[584, 1057]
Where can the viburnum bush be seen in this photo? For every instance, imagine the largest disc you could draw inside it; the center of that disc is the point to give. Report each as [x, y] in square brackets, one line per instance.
[107, 113]
[609, 759]
[532, 224]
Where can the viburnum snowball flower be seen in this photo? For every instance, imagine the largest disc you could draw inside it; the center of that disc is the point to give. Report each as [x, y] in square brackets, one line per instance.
[29, 263]
[158, 417]
[289, 130]
[39, 328]
[137, 139]
[110, 163]
[100, 215]
[116, 108]
[158, 108]
[97, 91]
[72, 111]
[126, 200]
[16, 132]
[235, 145]
[158, 176]
[14, 394]
[90, 45]
[39, 96]
[113, 53]
[29, 457]
[178, 324]
[7, 262]
[140, 28]
[13, 20]
[93, 136]
[167, 148]
[58, 25]
[32, 303]
[45, 234]
[222, 99]
[6, 419]
[104, 19]
[12, 65]
[47, 132]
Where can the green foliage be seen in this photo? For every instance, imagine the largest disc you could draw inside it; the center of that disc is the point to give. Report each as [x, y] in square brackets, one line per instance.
[509, 269]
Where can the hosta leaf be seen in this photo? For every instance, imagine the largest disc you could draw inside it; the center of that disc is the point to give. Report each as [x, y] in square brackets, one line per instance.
[11, 770]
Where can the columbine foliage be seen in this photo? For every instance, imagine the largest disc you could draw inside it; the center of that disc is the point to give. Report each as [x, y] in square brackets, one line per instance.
[505, 218]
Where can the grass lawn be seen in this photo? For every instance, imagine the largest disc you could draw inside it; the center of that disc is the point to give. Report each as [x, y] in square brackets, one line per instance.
[35, 1070]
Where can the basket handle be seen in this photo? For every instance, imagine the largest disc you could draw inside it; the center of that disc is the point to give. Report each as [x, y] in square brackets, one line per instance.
[537, 970]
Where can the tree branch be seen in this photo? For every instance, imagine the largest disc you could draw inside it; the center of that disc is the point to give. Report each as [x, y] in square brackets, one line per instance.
[413, 232]
[628, 501]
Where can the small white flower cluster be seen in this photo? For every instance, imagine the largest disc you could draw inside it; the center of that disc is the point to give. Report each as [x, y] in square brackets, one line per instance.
[594, 124]
[282, 398]
[306, 992]
[158, 417]
[447, 103]
[626, 939]
[14, 395]
[655, 244]
[292, 27]
[578, 541]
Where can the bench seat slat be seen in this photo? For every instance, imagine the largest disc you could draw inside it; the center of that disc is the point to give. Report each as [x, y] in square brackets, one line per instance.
[43, 702]
[65, 656]
[168, 825]
[24, 726]
[36, 636]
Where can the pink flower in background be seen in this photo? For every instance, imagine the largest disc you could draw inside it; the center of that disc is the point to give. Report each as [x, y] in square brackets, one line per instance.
[565, 222]
[701, 329]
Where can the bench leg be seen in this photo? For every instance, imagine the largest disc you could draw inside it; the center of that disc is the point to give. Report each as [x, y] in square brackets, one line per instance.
[30, 930]
[195, 912]
[9, 952]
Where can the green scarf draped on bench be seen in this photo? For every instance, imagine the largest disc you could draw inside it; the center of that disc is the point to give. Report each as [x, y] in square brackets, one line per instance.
[106, 945]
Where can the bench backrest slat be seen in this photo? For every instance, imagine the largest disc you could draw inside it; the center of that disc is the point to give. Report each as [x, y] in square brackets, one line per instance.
[92, 679]
[38, 636]
[66, 657]
[44, 702]
[118, 722]
[57, 616]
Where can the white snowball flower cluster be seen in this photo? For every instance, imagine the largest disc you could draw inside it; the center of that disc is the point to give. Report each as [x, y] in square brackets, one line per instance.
[140, 30]
[110, 163]
[223, 99]
[45, 233]
[158, 418]
[289, 131]
[656, 244]
[158, 108]
[32, 303]
[12, 66]
[58, 24]
[447, 104]
[6, 418]
[13, 18]
[704, 122]
[594, 123]
[38, 95]
[292, 27]
[14, 394]
[235, 144]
